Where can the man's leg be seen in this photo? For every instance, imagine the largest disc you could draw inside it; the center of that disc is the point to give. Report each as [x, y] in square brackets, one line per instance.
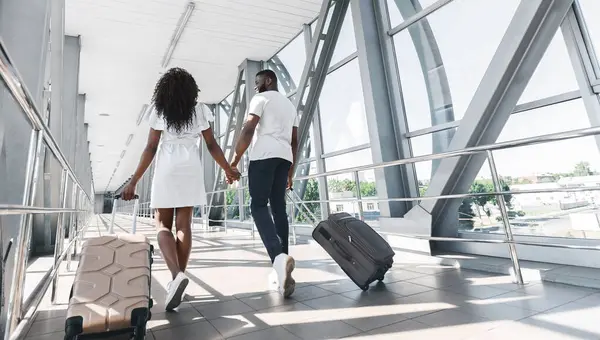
[283, 264]
[260, 181]
[278, 204]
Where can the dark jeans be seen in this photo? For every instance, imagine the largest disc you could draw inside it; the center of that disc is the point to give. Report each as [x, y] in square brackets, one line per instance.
[267, 184]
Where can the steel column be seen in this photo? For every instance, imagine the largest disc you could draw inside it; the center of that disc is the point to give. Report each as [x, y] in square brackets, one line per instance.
[384, 105]
[526, 40]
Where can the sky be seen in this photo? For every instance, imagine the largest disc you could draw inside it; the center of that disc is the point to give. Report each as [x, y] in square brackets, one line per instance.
[468, 33]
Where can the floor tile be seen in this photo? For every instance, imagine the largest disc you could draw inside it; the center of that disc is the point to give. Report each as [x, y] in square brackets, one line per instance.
[193, 331]
[275, 333]
[322, 330]
[309, 292]
[216, 310]
[267, 301]
[173, 319]
[233, 325]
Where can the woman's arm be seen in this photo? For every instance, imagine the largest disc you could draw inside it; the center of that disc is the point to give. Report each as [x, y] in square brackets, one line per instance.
[217, 153]
[148, 154]
[145, 161]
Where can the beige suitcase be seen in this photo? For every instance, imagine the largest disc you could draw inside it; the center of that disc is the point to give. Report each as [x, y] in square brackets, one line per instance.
[111, 292]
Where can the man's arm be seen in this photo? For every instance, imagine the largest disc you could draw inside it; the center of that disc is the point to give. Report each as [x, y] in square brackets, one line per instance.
[245, 138]
[294, 145]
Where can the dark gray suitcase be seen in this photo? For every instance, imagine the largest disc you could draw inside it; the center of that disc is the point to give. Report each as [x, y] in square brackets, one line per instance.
[359, 250]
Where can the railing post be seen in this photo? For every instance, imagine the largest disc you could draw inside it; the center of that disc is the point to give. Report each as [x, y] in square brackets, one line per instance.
[507, 228]
[226, 209]
[71, 223]
[60, 230]
[361, 214]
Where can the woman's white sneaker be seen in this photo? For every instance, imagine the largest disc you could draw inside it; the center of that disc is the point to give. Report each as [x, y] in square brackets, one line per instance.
[175, 291]
[283, 266]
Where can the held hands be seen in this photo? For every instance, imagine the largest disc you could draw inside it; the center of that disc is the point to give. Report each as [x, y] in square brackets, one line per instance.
[232, 174]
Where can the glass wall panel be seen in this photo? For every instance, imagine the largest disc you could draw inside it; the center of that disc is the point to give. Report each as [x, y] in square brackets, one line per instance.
[343, 117]
[396, 18]
[342, 188]
[346, 44]
[453, 48]
[590, 9]
[289, 64]
[554, 74]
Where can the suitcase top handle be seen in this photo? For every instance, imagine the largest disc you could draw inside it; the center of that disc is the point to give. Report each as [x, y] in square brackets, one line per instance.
[135, 197]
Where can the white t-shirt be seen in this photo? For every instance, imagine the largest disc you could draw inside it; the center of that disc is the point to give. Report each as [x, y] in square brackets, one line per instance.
[274, 131]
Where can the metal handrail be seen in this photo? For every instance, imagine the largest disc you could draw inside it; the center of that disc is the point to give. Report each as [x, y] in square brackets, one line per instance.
[8, 209]
[554, 137]
[21, 94]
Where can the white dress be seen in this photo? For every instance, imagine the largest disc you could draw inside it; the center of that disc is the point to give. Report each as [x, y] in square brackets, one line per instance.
[178, 172]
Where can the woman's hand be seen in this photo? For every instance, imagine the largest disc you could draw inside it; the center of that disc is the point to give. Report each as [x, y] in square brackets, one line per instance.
[129, 191]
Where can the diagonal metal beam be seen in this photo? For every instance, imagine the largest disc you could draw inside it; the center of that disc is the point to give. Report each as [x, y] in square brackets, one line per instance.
[526, 40]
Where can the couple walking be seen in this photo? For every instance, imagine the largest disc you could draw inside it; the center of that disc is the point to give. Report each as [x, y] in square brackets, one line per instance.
[178, 182]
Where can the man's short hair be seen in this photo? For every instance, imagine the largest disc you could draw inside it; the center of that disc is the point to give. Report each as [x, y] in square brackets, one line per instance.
[269, 74]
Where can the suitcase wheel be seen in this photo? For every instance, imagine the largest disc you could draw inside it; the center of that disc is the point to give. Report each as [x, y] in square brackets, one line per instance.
[364, 288]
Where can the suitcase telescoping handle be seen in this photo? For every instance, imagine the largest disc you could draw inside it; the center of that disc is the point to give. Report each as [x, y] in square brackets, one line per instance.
[114, 212]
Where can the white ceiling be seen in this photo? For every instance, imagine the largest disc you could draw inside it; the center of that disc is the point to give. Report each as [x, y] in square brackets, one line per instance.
[123, 43]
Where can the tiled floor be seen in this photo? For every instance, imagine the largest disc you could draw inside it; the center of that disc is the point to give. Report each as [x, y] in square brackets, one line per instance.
[227, 299]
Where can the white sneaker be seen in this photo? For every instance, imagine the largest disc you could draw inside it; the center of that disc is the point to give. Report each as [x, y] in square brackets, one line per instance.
[283, 266]
[272, 280]
[175, 291]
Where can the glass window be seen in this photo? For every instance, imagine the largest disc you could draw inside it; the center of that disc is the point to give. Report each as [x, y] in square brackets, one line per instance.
[590, 9]
[343, 186]
[289, 64]
[370, 206]
[416, 6]
[554, 74]
[464, 56]
[567, 163]
[343, 117]
[339, 207]
[346, 43]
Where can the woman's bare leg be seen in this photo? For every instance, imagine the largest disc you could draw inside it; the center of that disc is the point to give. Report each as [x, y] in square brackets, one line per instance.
[183, 225]
[166, 241]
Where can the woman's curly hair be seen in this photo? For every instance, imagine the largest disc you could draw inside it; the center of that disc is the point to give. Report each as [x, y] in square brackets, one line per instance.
[175, 98]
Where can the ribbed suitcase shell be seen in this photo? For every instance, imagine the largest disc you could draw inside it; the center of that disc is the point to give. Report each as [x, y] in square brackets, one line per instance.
[359, 250]
[111, 292]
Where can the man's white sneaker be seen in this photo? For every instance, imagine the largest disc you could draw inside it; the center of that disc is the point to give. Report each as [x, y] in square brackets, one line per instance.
[272, 281]
[175, 291]
[283, 266]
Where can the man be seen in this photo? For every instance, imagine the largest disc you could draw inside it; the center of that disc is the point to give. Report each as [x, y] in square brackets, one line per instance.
[273, 117]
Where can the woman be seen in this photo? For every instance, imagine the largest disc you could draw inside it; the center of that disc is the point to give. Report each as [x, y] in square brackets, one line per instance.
[178, 183]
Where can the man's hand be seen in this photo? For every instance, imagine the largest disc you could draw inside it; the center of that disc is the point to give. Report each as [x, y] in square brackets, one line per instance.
[290, 181]
[129, 191]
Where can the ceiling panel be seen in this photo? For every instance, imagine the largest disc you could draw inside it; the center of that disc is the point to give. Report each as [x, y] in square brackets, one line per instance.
[123, 43]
